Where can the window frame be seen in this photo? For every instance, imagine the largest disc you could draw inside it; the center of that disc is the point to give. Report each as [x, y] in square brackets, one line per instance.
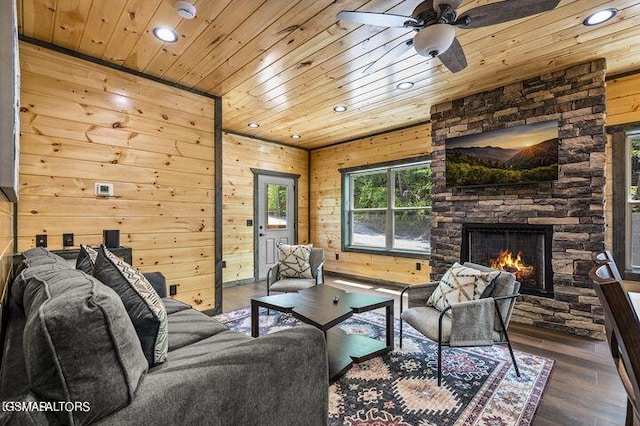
[390, 168]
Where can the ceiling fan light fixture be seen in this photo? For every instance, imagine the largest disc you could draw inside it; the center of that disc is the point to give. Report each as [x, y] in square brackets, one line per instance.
[340, 108]
[599, 17]
[405, 85]
[165, 34]
[253, 125]
[434, 39]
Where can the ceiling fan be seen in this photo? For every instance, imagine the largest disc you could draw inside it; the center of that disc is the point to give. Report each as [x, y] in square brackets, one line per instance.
[435, 22]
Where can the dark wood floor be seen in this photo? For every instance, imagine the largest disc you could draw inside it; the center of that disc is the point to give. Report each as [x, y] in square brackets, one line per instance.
[584, 388]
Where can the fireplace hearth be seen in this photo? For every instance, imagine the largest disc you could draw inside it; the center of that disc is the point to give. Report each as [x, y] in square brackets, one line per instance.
[524, 250]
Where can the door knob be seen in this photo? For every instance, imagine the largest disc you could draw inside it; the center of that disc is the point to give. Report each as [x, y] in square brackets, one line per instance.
[261, 234]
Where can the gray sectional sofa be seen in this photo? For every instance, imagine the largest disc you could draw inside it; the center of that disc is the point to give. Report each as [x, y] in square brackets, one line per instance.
[70, 355]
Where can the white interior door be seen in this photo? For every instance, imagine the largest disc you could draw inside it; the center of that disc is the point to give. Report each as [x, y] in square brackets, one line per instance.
[276, 218]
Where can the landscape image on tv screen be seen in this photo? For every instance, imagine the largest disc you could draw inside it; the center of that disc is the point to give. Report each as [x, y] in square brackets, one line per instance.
[521, 154]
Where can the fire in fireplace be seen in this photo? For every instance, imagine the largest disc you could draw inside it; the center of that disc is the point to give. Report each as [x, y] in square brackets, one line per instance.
[524, 250]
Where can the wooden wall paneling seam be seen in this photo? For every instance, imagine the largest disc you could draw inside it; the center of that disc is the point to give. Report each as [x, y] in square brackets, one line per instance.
[132, 22]
[188, 30]
[218, 202]
[114, 66]
[180, 236]
[285, 29]
[101, 21]
[256, 24]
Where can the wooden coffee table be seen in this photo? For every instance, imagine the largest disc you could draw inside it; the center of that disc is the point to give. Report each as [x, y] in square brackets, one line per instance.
[315, 306]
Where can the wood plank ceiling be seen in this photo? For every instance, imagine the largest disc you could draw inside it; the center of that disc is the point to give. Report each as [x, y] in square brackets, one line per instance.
[286, 64]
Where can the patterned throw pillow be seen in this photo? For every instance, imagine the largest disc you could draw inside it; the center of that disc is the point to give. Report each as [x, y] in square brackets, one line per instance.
[147, 312]
[294, 261]
[86, 259]
[460, 284]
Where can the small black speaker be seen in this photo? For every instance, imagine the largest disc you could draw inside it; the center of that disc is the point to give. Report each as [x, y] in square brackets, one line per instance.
[111, 238]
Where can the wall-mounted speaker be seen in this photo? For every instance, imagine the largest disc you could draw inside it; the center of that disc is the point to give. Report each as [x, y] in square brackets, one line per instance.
[111, 238]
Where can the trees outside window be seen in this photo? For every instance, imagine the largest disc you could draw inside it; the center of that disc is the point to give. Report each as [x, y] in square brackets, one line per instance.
[388, 209]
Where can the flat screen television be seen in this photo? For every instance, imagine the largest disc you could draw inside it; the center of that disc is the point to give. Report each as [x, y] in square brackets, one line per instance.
[521, 154]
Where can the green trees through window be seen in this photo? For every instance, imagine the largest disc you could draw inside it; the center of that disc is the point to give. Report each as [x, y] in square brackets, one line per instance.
[390, 208]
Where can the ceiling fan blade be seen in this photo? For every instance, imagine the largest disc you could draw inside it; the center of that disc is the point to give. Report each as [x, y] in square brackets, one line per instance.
[453, 58]
[377, 19]
[503, 11]
[388, 57]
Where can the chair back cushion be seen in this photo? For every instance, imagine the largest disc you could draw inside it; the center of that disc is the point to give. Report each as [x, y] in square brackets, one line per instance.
[294, 261]
[315, 259]
[461, 284]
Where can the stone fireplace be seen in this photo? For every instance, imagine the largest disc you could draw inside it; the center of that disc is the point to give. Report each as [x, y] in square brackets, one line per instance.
[567, 214]
[524, 250]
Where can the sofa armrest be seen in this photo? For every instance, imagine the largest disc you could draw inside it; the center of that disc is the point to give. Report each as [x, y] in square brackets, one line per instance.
[277, 379]
[158, 281]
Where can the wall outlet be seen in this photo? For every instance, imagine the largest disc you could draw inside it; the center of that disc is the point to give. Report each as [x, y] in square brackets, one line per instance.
[67, 240]
[41, 240]
[224, 263]
[418, 266]
[173, 289]
[249, 222]
[337, 256]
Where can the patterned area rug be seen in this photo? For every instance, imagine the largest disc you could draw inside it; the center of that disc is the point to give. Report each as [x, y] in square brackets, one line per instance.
[400, 388]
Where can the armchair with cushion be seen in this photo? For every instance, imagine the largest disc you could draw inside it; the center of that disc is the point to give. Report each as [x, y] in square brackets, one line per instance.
[282, 278]
[480, 321]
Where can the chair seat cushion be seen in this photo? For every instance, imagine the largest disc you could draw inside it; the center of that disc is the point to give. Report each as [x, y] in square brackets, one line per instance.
[425, 320]
[292, 284]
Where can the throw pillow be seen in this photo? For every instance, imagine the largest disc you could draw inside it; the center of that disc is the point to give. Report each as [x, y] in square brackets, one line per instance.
[86, 259]
[294, 261]
[460, 284]
[146, 310]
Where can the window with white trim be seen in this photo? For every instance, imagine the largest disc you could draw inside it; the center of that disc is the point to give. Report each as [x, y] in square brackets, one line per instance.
[388, 209]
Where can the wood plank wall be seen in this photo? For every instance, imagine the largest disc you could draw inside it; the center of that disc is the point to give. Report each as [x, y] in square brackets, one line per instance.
[239, 155]
[326, 202]
[82, 123]
[6, 241]
[623, 106]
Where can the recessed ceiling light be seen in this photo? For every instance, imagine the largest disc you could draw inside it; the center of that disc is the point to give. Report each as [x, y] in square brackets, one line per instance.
[253, 125]
[295, 136]
[405, 85]
[165, 34]
[340, 108]
[600, 17]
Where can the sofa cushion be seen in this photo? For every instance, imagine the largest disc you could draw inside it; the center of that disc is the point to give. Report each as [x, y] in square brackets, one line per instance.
[460, 284]
[86, 259]
[172, 306]
[146, 310]
[79, 344]
[41, 256]
[294, 261]
[190, 326]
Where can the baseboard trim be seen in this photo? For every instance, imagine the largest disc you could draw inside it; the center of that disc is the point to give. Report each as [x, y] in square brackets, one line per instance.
[238, 282]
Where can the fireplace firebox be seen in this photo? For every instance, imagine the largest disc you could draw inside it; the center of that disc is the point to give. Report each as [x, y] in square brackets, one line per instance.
[524, 250]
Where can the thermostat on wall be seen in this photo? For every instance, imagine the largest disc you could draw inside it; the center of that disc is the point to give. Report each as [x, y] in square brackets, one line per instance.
[104, 189]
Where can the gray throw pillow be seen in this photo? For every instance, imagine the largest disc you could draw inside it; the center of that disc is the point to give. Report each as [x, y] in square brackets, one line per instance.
[144, 306]
[86, 259]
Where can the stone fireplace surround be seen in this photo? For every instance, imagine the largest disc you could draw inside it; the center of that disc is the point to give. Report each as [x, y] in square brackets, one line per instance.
[573, 205]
